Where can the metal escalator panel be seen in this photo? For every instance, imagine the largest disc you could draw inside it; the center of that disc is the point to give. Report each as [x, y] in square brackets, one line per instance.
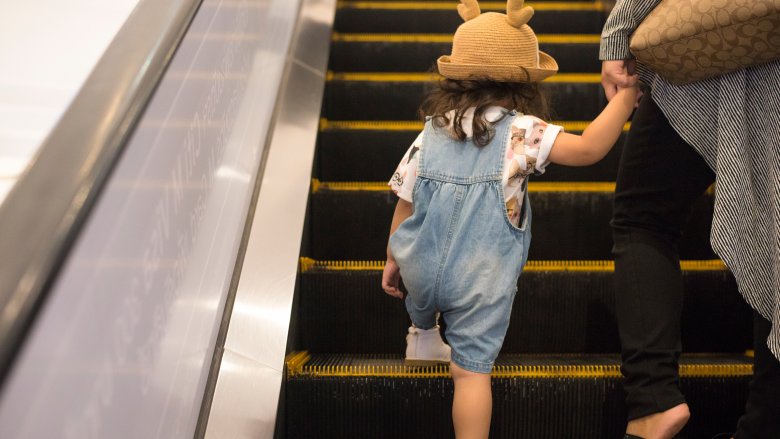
[122, 345]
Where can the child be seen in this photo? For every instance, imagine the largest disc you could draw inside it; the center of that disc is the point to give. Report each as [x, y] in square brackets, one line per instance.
[461, 228]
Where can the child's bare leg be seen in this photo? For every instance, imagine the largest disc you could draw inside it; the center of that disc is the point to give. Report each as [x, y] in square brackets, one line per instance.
[472, 405]
[663, 425]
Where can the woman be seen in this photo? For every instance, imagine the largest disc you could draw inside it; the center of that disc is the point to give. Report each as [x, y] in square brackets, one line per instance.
[682, 138]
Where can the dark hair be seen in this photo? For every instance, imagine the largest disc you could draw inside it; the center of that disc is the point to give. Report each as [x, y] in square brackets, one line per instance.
[460, 95]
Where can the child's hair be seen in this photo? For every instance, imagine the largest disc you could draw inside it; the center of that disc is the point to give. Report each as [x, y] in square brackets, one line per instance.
[460, 95]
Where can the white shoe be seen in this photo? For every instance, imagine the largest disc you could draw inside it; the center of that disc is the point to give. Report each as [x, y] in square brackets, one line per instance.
[424, 347]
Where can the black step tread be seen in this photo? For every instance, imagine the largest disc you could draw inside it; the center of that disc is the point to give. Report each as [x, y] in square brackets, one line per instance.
[570, 221]
[400, 100]
[350, 53]
[329, 404]
[438, 17]
[560, 306]
[378, 151]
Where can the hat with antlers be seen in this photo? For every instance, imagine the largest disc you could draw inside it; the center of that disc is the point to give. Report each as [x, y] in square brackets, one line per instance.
[496, 46]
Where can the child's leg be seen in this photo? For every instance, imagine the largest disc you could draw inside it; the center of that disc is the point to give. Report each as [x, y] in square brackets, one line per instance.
[472, 406]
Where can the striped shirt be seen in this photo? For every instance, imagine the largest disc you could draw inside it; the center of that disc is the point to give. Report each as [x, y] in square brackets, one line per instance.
[733, 121]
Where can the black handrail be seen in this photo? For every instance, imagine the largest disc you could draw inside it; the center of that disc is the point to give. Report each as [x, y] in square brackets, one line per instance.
[44, 212]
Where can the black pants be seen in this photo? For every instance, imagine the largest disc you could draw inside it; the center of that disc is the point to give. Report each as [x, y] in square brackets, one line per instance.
[659, 178]
[762, 411]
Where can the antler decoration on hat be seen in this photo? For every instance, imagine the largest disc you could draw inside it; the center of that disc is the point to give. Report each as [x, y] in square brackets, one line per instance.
[516, 14]
[468, 9]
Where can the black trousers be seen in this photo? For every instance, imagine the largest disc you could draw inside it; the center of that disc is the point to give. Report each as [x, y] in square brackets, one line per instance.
[659, 178]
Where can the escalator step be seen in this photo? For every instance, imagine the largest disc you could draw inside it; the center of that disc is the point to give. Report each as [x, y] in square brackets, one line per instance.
[377, 148]
[442, 17]
[339, 396]
[355, 96]
[560, 306]
[419, 52]
[350, 221]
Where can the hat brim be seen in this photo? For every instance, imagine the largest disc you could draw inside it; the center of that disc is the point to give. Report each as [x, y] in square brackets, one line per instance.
[496, 72]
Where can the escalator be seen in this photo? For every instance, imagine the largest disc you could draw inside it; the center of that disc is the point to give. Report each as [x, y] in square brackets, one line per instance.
[558, 374]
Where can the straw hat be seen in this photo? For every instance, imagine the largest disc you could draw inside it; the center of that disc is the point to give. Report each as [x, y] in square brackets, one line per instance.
[496, 46]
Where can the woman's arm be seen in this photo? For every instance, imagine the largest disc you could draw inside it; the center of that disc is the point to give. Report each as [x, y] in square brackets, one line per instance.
[599, 137]
[621, 23]
[617, 68]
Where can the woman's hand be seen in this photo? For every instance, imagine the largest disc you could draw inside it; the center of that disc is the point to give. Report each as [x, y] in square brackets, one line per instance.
[618, 74]
[391, 279]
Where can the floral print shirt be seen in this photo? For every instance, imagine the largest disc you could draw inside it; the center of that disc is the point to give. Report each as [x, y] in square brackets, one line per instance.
[526, 153]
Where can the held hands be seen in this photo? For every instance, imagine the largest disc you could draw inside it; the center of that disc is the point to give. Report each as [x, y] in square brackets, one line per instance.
[391, 278]
[617, 75]
[621, 86]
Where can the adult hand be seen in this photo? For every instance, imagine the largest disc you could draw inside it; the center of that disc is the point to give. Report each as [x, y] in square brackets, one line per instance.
[618, 74]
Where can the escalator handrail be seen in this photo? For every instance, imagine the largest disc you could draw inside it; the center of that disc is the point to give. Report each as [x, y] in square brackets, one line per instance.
[42, 215]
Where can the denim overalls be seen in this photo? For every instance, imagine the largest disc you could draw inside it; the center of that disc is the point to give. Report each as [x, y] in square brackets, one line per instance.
[458, 253]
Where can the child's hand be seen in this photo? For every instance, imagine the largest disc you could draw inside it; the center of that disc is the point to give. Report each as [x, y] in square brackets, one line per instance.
[391, 278]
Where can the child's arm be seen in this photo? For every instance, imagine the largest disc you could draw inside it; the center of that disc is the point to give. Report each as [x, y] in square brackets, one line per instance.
[392, 275]
[599, 137]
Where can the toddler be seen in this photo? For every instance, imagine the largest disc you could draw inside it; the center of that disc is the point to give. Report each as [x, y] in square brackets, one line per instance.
[461, 228]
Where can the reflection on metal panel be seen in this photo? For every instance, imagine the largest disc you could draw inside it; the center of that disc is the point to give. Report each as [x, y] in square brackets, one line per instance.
[247, 390]
[123, 345]
[47, 50]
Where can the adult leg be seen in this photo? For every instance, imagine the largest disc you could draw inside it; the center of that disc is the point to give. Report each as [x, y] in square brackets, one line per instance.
[472, 405]
[762, 411]
[659, 178]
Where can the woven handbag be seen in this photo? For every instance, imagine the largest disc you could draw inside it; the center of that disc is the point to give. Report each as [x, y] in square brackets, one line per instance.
[691, 40]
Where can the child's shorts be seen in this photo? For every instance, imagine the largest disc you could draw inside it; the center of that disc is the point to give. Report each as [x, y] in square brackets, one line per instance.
[476, 325]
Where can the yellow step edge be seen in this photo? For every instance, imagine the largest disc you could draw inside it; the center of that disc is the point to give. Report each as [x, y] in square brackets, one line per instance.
[588, 78]
[447, 38]
[308, 264]
[533, 187]
[371, 125]
[414, 125]
[295, 362]
[484, 5]
[398, 370]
